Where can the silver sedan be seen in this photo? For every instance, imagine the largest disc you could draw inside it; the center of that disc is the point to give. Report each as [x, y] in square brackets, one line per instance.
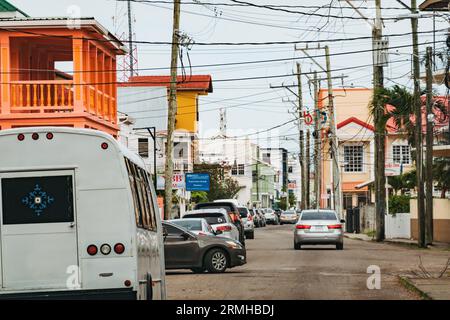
[319, 227]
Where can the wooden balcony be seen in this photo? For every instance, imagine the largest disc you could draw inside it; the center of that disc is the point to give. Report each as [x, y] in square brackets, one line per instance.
[41, 96]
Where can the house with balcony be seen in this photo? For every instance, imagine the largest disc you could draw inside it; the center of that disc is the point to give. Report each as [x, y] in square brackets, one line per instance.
[33, 89]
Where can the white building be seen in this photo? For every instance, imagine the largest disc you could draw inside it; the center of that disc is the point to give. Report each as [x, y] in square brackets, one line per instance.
[294, 178]
[278, 159]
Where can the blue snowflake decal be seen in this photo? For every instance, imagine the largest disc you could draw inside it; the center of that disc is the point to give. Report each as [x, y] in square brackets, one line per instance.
[38, 200]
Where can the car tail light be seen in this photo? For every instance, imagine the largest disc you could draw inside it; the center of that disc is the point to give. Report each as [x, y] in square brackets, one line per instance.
[335, 226]
[303, 226]
[35, 136]
[224, 228]
[21, 137]
[49, 136]
[249, 217]
[92, 250]
[119, 248]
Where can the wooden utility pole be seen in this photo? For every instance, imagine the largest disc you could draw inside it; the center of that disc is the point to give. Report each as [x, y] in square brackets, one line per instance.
[172, 111]
[429, 153]
[417, 104]
[308, 170]
[337, 197]
[317, 142]
[301, 138]
[380, 128]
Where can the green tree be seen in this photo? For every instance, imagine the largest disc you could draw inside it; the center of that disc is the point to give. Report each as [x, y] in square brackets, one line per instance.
[399, 204]
[441, 174]
[221, 185]
[199, 196]
[292, 199]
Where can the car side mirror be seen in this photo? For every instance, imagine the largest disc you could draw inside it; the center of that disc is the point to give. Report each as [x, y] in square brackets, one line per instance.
[165, 233]
[342, 221]
[185, 236]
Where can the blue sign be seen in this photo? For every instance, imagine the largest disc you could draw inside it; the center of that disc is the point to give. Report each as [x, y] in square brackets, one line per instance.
[197, 181]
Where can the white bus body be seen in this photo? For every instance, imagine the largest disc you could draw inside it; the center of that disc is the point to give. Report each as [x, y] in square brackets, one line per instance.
[64, 191]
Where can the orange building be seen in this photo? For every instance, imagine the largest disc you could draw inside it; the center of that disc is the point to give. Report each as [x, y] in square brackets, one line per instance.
[33, 92]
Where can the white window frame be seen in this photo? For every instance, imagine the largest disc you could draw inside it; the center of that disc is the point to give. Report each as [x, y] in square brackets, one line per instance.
[347, 165]
[401, 154]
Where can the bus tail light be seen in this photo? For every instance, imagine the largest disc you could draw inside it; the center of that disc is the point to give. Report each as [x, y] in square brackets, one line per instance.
[35, 136]
[303, 226]
[127, 283]
[20, 137]
[92, 250]
[104, 146]
[49, 136]
[119, 248]
[105, 249]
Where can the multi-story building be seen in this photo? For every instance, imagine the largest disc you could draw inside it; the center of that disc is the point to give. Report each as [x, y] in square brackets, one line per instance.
[278, 159]
[294, 178]
[34, 89]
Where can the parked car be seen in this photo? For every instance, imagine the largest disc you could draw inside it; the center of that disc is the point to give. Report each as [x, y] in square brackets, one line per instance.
[232, 211]
[186, 250]
[262, 217]
[247, 220]
[288, 216]
[218, 219]
[199, 226]
[256, 219]
[319, 227]
[271, 216]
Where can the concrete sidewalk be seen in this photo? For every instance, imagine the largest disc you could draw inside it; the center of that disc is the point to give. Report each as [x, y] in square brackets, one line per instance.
[361, 236]
[428, 288]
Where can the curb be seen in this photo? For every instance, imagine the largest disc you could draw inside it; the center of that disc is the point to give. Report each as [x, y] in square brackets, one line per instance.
[411, 287]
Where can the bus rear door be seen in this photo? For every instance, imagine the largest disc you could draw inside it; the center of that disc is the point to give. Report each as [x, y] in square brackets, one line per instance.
[38, 230]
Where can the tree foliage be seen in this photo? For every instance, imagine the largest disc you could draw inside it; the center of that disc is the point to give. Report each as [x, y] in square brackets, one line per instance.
[399, 204]
[222, 186]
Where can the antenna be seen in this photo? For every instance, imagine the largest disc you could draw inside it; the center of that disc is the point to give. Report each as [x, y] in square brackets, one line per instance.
[123, 29]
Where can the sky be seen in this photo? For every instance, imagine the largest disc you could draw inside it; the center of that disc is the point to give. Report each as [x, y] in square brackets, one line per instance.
[251, 104]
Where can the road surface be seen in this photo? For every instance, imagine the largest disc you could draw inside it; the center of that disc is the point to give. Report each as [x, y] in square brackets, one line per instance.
[274, 270]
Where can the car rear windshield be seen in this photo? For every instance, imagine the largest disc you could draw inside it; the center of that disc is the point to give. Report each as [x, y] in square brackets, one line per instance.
[195, 225]
[319, 215]
[289, 212]
[227, 207]
[243, 212]
[212, 218]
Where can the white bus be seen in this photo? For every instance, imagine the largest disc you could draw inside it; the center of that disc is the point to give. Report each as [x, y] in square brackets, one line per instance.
[79, 218]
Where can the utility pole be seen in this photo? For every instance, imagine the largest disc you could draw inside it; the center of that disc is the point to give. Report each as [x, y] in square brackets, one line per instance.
[308, 169]
[380, 128]
[337, 198]
[417, 104]
[429, 153]
[301, 137]
[130, 37]
[317, 142]
[172, 111]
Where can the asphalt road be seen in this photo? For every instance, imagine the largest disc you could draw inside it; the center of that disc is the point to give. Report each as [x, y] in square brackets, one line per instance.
[274, 270]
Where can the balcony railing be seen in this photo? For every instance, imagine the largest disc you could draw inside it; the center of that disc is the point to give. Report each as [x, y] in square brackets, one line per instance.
[42, 96]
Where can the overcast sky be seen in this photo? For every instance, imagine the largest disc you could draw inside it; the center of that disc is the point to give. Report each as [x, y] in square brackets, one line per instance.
[252, 104]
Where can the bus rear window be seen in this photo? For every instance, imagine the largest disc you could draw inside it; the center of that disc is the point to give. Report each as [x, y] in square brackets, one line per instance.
[37, 200]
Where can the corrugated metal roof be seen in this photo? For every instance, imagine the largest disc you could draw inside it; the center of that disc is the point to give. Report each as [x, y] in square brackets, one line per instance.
[5, 6]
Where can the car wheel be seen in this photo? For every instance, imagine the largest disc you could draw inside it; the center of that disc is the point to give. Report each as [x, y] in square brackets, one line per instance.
[198, 270]
[297, 246]
[339, 246]
[251, 235]
[216, 261]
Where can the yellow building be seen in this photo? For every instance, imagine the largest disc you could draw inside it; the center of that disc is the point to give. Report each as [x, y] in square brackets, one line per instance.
[189, 89]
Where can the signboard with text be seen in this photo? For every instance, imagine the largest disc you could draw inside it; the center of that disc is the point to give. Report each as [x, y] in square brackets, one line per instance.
[177, 181]
[197, 181]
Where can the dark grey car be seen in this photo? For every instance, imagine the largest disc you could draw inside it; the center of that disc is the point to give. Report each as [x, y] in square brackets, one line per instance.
[185, 250]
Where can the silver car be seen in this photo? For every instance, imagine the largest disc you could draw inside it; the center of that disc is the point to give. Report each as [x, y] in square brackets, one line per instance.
[247, 220]
[198, 226]
[319, 227]
[288, 216]
[271, 216]
[218, 219]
